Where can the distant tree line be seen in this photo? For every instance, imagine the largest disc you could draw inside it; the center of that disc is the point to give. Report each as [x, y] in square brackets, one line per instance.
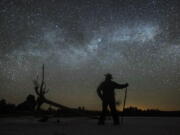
[30, 106]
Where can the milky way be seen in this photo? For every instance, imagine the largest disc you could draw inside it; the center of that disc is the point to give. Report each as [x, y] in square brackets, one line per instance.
[138, 42]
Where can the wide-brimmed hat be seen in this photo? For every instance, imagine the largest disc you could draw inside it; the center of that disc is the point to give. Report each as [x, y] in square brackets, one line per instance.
[108, 75]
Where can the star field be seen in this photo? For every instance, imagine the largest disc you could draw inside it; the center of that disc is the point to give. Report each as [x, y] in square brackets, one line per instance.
[79, 41]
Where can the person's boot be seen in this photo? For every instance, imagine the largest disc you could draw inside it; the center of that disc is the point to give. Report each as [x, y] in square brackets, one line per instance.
[116, 123]
[101, 123]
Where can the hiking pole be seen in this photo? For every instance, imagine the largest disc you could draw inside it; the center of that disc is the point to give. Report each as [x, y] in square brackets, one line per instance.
[125, 96]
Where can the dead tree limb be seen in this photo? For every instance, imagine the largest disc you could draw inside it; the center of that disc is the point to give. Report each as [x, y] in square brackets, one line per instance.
[41, 90]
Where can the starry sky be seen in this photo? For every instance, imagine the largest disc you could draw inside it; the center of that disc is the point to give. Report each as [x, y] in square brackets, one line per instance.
[138, 41]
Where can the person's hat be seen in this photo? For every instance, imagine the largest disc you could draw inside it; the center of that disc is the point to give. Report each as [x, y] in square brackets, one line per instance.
[108, 75]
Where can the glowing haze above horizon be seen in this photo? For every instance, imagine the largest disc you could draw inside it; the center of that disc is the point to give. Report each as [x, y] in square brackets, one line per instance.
[79, 41]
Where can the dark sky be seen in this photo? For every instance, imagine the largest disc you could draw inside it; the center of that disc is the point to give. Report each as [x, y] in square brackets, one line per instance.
[138, 41]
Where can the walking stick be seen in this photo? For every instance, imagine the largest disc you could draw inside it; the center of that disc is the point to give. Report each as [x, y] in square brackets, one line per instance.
[125, 96]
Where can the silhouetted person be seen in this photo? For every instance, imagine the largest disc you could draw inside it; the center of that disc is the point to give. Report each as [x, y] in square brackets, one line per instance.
[106, 92]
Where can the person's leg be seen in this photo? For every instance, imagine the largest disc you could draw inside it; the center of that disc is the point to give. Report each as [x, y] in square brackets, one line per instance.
[103, 113]
[114, 113]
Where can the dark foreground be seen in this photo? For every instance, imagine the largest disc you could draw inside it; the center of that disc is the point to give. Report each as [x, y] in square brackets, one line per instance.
[86, 126]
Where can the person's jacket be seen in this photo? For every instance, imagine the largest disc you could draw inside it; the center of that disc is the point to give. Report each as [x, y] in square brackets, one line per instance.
[106, 90]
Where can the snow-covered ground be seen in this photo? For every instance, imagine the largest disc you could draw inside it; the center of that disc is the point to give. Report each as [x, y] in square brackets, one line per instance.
[86, 126]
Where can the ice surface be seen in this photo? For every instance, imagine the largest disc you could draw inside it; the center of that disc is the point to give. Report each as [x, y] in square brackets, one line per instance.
[86, 126]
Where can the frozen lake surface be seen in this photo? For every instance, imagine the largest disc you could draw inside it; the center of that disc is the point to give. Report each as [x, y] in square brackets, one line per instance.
[86, 126]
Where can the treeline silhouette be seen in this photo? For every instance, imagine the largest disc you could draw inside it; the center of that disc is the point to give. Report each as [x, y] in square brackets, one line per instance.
[134, 111]
[29, 107]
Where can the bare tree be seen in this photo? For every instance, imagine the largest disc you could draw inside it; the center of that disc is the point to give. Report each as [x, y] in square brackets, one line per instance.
[41, 90]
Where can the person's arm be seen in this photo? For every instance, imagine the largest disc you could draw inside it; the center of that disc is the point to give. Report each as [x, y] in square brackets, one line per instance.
[99, 91]
[120, 86]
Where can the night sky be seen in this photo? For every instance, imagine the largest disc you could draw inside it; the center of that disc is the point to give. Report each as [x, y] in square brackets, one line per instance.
[138, 41]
